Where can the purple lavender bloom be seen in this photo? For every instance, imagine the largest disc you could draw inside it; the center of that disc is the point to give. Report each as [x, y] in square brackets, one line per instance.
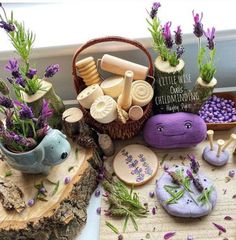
[20, 81]
[197, 26]
[25, 112]
[9, 121]
[167, 35]
[210, 35]
[178, 36]
[31, 202]
[6, 102]
[46, 111]
[154, 10]
[194, 164]
[179, 51]
[13, 67]
[7, 26]
[51, 70]
[30, 74]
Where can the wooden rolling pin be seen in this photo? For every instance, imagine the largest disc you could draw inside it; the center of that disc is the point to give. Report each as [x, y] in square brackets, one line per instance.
[120, 66]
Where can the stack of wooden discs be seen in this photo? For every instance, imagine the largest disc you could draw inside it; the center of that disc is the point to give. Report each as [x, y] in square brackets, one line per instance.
[88, 71]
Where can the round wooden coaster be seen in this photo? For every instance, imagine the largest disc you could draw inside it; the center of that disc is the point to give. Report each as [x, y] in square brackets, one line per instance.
[135, 164]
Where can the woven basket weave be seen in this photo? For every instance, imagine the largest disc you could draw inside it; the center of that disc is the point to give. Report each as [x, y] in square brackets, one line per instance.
[115, 129]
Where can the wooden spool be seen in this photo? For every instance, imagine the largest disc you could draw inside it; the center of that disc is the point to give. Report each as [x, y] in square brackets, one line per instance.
[64, 213]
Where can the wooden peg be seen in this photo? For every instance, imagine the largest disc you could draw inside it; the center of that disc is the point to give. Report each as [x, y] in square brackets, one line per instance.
[125, 99]
[220, 143]
[231, 139]
[210, 134]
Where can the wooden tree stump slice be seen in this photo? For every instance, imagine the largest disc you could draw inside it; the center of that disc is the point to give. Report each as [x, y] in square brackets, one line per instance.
[64, 213]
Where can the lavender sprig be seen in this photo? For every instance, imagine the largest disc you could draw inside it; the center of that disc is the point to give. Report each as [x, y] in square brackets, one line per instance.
[197, 26]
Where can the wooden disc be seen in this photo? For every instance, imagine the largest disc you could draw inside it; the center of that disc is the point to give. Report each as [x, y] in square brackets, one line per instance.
[135, 164]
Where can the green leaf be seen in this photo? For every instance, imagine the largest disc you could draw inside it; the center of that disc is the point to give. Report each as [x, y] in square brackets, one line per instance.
[175, 197]
[164, 158]
[134, 223]
[112, 227]
[8, 173]
[55, 188]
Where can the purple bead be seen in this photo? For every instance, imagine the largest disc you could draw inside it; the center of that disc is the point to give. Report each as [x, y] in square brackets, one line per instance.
[31, 202]
[231, 173]
[98, 210]
[97, 193]
[67, 180]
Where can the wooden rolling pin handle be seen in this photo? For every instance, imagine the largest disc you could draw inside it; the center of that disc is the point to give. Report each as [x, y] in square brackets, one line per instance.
[220, 143]
[120, 66]
[231, 139]
[210, 134]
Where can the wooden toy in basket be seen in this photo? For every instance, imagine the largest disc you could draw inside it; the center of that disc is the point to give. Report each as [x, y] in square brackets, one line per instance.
[86, 77]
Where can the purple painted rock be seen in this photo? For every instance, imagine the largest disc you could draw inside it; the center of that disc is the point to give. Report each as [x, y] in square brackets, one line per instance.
[175, 130]
[211, 156]
[190, 205]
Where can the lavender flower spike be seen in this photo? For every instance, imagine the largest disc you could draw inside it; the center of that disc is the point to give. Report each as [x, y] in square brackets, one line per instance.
[178, 36]
[167, 35]
[179, 51]
[30, 74]
[197, 26]
[46, 111]
[13, 67]
[194, 164]
[20, 81]
[6, 102]
[51, 70]
[25, 112]
[8, 27]
[154, 10]
[210, 35]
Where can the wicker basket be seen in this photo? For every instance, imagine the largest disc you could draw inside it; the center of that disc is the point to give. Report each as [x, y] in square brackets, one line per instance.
[115, 129]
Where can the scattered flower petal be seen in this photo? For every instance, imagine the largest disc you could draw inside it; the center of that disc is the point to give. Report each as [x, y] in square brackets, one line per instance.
[67, 180]
[151, 194]
[219, 227]
[97, 193]
[231, 173]
[98, 210]
[228, 218]
[31, 202]
[169, 235]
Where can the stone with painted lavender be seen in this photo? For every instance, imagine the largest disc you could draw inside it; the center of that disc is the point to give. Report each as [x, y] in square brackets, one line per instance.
[189, 204]
[175, 130]
[211, 156]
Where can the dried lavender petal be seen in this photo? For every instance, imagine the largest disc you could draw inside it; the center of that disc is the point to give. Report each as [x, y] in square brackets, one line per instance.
[31, 202]
[67, 180]
[219, 227]
[153, 210]
[151, 194]
[169, 235]
[228, 218]
[120, 237]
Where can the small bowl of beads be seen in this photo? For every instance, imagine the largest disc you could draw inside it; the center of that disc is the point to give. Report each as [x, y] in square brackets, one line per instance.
[219, 112]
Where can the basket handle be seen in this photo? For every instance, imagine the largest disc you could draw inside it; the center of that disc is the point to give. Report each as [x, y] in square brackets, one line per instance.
[109, 39]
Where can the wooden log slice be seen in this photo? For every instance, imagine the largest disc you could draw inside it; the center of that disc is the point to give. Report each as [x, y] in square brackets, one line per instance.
[64, 213]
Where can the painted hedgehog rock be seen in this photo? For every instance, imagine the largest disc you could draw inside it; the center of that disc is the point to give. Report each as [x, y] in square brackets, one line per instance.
[175, 130]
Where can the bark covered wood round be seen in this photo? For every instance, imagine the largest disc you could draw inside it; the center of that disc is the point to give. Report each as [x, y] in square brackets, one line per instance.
[63, 212]
[135, 164]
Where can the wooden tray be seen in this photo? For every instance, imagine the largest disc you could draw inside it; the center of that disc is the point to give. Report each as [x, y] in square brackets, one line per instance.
[223, 126]
[161, 223]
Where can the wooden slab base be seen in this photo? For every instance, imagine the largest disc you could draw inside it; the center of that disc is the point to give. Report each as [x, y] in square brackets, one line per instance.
[64, 213]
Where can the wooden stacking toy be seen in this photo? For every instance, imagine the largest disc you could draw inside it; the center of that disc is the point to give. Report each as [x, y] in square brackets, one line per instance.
[217, 155]
[88, 71]
[125, 99]
[120, 66]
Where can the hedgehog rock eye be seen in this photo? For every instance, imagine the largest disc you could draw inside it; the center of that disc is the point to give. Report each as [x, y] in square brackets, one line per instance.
[160, 129]
[188, 125]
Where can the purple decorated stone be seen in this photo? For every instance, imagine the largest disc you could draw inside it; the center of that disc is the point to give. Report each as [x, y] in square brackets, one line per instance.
[190, 204]
[211, 156]
[175, 130]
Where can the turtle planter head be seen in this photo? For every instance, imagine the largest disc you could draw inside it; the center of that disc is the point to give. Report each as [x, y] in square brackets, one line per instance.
[176, 130]
[52, 150]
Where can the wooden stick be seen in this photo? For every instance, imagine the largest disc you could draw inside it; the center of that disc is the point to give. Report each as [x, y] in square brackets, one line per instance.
[231, 139]
[125, 99]
[106, 144]
[210, 134]
[220, 143]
